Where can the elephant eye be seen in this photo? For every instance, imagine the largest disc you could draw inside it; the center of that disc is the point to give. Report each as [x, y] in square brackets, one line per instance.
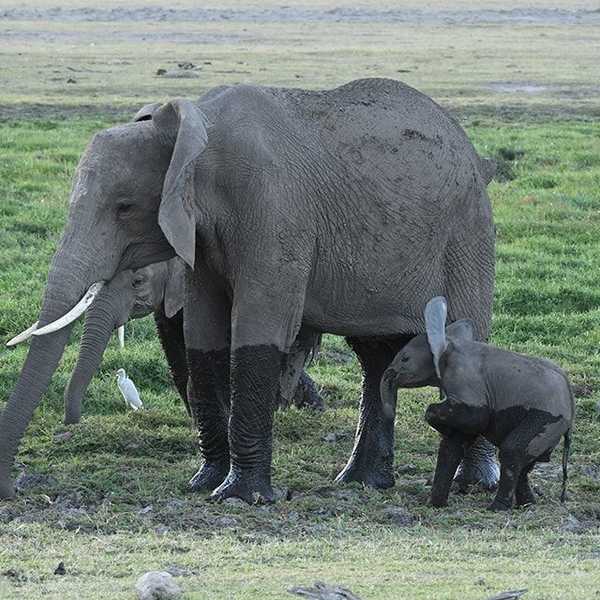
[124, 208]
[404, 359]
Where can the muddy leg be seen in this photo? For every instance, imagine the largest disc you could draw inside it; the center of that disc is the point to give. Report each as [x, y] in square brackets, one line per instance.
[450, 454]
[372, 458]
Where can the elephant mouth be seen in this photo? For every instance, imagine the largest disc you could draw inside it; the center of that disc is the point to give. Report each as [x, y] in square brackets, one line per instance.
[63, 321]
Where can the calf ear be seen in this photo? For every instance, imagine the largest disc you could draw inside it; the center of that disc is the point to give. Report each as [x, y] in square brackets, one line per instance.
[174, 287]
[145, 113]
[435, 326]
[183, 125]
[461, 331]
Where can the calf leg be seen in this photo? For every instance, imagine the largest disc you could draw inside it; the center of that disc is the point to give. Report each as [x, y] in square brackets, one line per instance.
[372, 458]
[524, 495]
[450, 454]
[534, 436]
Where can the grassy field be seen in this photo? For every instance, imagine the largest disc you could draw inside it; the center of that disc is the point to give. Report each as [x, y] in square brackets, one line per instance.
[108, 497]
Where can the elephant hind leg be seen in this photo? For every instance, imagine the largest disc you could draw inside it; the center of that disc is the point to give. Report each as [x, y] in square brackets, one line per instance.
[524, 494]
[372, 458]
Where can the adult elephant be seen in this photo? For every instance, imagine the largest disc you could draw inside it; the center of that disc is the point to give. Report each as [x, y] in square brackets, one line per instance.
[339, 211]
[158, 289]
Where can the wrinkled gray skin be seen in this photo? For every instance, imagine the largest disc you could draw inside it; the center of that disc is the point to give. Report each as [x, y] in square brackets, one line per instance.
[522, 405]
[158, 289]
[338, 211]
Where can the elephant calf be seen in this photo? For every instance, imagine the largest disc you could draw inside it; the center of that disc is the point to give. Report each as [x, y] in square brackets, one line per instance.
[521, 404]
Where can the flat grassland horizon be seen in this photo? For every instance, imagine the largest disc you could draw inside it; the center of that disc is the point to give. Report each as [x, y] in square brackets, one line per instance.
[109, 499]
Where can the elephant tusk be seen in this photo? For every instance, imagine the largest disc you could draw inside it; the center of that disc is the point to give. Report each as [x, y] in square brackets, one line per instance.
[24, 335]
[121, 336]
[74, 313]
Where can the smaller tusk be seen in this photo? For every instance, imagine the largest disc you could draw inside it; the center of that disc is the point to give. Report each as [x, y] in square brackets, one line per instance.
[121, 336]
[74, 313]
[24, 335]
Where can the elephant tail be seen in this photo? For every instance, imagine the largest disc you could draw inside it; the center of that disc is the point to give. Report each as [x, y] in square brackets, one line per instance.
[565, 462]
[487, 168]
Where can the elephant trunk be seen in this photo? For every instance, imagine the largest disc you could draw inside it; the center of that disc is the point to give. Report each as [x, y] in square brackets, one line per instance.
[67, 281]
[100, 321]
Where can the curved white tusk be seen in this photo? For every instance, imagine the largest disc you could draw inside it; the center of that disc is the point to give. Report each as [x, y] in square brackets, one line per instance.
[24, 335]
[74, 313]
[121, 336]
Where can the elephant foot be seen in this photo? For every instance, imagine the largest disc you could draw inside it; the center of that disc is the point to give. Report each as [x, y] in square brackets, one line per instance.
[377, 473]
[251, 485]
[438, 502]
[479, 466]
[209, 476]
[524, 498]
[499, 506]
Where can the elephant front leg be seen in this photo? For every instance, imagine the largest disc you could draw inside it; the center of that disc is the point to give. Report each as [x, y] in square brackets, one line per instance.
[208, 393]
[206, 325]
[372, 458]
[255, 374]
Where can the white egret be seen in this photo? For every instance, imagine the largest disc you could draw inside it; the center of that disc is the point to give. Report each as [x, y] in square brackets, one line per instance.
[128, 390]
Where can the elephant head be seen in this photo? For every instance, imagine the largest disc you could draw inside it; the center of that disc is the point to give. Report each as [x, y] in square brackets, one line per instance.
[129, 208]
[129, 295]
[420, 362]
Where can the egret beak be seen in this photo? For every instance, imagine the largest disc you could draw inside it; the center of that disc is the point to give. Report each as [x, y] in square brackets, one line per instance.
[74, 313]
[24, 335]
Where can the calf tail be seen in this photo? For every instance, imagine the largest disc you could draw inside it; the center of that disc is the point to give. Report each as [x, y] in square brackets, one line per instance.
[565, 461]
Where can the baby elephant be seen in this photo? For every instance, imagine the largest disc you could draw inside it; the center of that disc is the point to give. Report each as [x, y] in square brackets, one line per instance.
[523, 405]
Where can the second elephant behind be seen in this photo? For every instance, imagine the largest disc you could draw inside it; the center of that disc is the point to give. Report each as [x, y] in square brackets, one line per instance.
[158, 289]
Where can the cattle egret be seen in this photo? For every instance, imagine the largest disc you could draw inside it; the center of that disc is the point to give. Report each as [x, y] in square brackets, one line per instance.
[128, 390]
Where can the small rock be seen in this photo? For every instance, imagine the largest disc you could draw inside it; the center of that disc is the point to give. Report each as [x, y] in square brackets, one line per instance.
[175, 504]
[323, 591]
[157, 585]
[226, 522]
[145, 510]
[281, 494]
[399, 516]
[409, 469]
[71, 80]
[63, 436]
[15, 574]
[510, 595]
[60, 569]
[178, 571]
[330, 438]
[235, 502]
[572, 524]
[26, 481]
[179, 74]
[186, 66]
[160, 72]
[161, 530]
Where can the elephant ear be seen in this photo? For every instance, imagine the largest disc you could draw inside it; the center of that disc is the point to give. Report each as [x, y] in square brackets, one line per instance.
[461, 331]
[435, 326]
[145, 113]
[184, 125]
[174, 287]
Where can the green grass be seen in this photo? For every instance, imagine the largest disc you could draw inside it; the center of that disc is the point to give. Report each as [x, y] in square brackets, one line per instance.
[89, 508]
